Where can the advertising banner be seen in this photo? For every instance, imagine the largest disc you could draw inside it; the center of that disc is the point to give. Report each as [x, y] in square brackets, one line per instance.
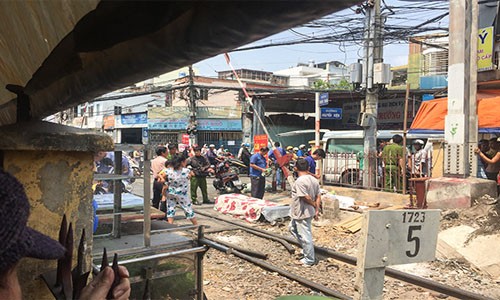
[219, 125]
[185, 139]
[132, 119]
[108, 122]
[390, 112]
[203, 124]
[485, 49]
[203, 112]
[259, 141]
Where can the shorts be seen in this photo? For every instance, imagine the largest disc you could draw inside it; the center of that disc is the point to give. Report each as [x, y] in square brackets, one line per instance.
[183, 202]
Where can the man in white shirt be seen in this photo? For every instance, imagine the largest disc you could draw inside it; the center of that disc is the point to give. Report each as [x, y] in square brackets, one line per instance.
[306, 200]
[220, 151]
[158, 164]
[419, 159]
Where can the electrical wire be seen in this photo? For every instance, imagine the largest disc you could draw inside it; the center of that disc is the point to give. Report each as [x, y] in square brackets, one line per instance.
[402, 22]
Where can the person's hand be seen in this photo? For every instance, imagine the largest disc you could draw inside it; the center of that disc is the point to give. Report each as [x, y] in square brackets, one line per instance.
[316, 215]
[477, 150]
[99, 287]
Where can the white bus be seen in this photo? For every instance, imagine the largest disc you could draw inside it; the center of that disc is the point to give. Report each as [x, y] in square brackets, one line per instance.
[345, 154]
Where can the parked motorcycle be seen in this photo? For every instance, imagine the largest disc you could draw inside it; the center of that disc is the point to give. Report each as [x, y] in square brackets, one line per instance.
[238, 166]
[136, 169]
[227, 179]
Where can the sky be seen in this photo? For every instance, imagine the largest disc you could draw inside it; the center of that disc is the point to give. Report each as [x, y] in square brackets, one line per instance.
[283, 57]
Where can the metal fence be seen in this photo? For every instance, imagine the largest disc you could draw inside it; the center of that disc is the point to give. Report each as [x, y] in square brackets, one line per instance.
[230, 139]
[384, 173]
[157, 138]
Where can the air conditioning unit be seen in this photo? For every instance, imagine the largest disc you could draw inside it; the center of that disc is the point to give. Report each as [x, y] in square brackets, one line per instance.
[382, 73]
[356, 72]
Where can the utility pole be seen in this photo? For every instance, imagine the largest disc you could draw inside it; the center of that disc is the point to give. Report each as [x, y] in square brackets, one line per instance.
[461, 124]
[192, 126]
[373, 53]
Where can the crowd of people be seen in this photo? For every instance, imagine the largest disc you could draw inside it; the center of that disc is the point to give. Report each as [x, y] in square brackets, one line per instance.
[419, 161]
[201, 161]
[392, 166]
[174, 171]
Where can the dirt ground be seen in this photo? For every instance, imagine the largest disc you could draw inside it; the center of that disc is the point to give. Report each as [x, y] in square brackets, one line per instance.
[228, 277]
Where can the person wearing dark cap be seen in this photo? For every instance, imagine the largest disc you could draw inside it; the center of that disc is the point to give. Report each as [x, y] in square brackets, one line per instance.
[311, 159]
[17, 240]
[200, 166]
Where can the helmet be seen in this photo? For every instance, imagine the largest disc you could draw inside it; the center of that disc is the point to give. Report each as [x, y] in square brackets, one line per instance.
[289, 148]
[247, 145]
[221, 146]
[419, 142]
[295, 149]
[302, 146]
[211, 146]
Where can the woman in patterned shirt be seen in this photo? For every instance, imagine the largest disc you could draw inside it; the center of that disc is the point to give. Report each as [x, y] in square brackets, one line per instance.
[177, 187]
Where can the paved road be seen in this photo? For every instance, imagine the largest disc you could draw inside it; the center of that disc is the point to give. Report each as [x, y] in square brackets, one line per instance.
[212, 193]
[138, 188]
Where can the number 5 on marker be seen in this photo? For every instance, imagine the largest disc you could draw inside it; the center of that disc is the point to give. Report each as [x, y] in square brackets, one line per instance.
[412, 238]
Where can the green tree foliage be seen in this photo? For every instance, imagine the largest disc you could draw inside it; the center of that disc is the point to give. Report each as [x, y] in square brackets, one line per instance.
[343, 85]
[322, 85]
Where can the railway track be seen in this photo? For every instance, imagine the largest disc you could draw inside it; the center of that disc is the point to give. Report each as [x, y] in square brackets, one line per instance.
[274, 266]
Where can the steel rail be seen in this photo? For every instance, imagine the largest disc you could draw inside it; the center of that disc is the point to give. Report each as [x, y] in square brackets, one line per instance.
[305, 282]
[249, 252]
[409, 278]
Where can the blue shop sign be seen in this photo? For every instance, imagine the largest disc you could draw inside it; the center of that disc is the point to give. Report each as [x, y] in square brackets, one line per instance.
[133, 119]
[219, 124]
[203, 124]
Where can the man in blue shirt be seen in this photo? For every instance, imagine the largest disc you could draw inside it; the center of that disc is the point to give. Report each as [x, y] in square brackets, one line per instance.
[258, 164]
[302, 151]
[317, 155]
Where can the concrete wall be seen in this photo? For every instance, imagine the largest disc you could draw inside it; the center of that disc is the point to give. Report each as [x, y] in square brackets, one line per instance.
[56, 183]
[385, 199]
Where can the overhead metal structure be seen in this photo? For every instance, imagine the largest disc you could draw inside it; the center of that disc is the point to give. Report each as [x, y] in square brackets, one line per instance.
[57, 54]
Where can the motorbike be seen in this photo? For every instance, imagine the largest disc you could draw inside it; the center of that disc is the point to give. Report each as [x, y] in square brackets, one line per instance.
[106, 186]
[238, 166]
[136, 169]
[227, 179]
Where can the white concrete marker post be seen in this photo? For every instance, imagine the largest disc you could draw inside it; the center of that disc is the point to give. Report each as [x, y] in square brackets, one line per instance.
[393, 237]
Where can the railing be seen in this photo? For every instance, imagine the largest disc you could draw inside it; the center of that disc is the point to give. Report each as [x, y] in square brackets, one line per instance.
[384, 173]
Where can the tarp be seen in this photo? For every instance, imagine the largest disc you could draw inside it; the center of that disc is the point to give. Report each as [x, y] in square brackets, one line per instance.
[243, 207]
[431, 114]
[64, 53]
